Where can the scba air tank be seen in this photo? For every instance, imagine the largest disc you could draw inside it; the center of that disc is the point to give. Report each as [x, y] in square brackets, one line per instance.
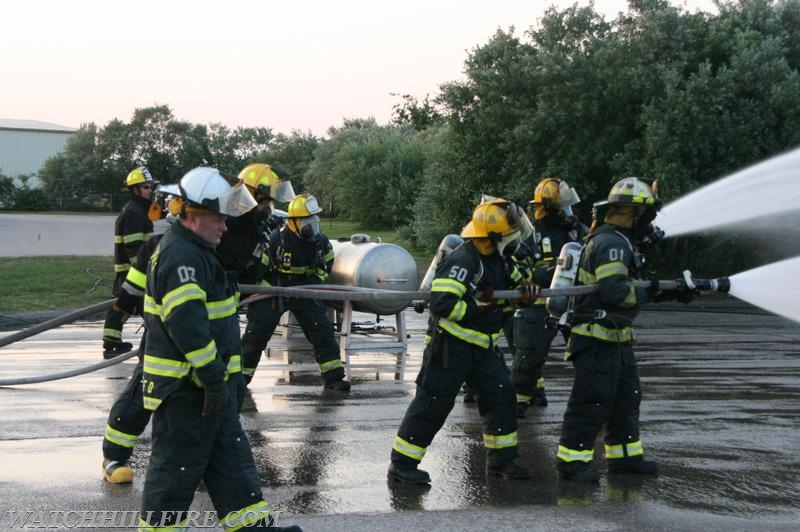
[564, 276]
[366, 264]
[446, 246]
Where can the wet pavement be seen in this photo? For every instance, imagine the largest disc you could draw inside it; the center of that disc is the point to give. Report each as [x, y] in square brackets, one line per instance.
[721, 414]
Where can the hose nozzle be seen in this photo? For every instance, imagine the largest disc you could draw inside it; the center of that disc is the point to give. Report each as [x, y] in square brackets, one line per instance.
[687, 282]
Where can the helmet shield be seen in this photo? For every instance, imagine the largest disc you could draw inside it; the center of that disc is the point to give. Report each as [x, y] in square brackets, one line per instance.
[236, 201]
[282, 191]
[567, 196]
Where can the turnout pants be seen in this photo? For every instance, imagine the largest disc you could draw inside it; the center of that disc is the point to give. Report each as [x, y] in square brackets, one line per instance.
[187, 448]
[262, 318]
[127, 418]
[115, 319]
[532, 339]
[447, 364]
[606, 395]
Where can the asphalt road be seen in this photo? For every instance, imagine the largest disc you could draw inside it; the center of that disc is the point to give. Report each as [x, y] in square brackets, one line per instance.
[721, 414]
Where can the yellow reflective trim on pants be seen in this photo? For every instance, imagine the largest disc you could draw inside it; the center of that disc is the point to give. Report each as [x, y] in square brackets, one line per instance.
[595, 330]
[522, 398]
[540, 383]
[501, 441]
[330, 365]
[410, 450]
[571, 455]
[121, 268]
[611, 269]
[469, 335]
[203, 356]
[144, 526]
[112, 334]
[182, 294]
[448, 286]
[624, 450]
[165, 367]
[221, 309]
[246, 517]
[120, 438]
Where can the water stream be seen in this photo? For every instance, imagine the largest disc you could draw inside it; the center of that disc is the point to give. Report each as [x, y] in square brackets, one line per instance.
[774, 287]
[767, 188]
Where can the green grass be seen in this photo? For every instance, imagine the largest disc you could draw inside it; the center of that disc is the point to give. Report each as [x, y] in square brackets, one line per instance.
[31, 284]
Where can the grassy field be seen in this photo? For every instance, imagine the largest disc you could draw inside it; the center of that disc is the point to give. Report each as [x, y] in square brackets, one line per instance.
[32, 284]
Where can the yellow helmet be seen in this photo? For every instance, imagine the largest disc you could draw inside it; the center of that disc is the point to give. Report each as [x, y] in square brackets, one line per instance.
[303, 219]
[304, 205]
[492, 219]
[633, 191]
[264, 181]
[554, 192]
[140, 176]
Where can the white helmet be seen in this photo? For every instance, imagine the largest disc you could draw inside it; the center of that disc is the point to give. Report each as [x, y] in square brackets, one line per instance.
[205, 187]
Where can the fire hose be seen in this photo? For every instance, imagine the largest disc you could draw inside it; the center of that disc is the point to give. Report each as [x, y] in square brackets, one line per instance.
[331, 293]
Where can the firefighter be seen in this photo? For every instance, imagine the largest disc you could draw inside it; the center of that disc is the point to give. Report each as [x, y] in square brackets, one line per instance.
[466, 324]
[300, 255]
[133, 227]
[606, 391]
[243, 246]
[128, 418]
[190, 363]
[533, 331]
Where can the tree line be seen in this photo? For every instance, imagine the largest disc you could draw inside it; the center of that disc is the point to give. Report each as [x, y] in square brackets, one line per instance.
[658, 91]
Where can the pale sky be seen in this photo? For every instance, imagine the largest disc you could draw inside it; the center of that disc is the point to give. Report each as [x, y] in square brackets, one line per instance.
[285, 64]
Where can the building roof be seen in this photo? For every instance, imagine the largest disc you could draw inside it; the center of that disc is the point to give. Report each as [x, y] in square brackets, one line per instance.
[34, 125]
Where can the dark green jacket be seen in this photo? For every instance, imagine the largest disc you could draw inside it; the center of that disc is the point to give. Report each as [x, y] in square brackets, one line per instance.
[609, 261]
[190, 313]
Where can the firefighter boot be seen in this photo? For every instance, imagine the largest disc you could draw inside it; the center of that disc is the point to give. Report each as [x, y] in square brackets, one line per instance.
[514, 469]
[539, 398]
[339, 385]
[577, 471]
[117, 472]
[633, 465]
[522, 407]
[408, 475]
[113, 349]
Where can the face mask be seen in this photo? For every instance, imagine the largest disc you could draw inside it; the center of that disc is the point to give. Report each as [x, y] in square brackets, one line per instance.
[309, 227]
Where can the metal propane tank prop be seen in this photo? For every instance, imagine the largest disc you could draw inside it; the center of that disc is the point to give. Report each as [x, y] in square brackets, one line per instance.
[362, 263]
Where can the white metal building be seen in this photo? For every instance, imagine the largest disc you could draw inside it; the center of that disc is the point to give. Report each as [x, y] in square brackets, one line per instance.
[26, 144]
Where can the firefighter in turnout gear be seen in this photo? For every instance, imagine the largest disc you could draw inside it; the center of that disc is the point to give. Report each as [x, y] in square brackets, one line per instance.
[533, 330]
[300, 255]
[133, 227]
[465, 325]
[191, 364]
[606, 391]
[128, 417]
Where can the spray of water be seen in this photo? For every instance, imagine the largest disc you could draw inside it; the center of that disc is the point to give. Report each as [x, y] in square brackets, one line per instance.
[774, 287]
[767, 188]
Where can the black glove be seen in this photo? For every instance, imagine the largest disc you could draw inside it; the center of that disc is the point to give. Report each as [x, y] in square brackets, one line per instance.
[216, 397]
[420, 306]
[570, 222]
[530, 292]
[685, 295]
[485, 302]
